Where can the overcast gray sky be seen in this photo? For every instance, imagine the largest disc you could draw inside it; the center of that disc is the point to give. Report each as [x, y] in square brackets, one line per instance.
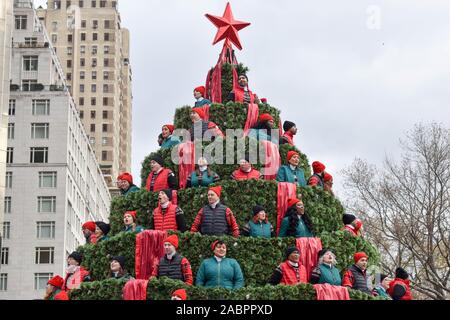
[352, 83]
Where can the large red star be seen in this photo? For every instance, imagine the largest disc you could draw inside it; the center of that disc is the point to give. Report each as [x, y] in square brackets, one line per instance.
[228, 27]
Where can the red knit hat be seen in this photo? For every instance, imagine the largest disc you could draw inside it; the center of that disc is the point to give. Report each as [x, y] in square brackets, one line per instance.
[264, 100]
[56, 281]
[200, 112]
[181, 293]
[265, 117]
[173, 240]
[292, 202]
[214, 245]
[328, 177]
[127, 177]
[292, 154]
[216, 190]
[318, 167]
[201, 89]
[90, 225]
[171, 127]
[358, 256]
[131, 213]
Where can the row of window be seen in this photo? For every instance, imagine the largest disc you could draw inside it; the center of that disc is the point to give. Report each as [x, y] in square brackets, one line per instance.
[106, 75]
[57, 4]
[106, 88]
[44, 205]
[106, 63]
[47, 180]
[45, 230]
[39, 108]
[106, 102]
[38, 130]
[37, 155]
[40, 281]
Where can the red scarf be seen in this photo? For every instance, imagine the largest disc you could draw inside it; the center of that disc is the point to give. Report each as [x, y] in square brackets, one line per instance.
[149, 250]
[286, 191]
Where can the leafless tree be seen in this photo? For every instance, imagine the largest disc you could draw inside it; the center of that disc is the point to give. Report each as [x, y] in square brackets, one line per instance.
[406, 208]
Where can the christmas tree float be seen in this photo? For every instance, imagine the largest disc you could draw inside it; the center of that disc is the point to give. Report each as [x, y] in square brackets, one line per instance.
[257, 257]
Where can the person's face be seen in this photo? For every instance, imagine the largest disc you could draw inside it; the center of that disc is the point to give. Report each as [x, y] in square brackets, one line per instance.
[300, 208]
[386, 282]
[169, 248]
[195, 117]
[115, 266]
[271, 123]
[123, 184]
[262, 216]
[220, 251]
[163, 198]
[128, 220]
[245, 165]
[49, 289]
[197, 95]
[155, 166]
[362, 264]
[87, 233]
[294, 257]
[98, 232]
[294, 130]
[165, 132]
[328, 258]
[202, 162]
[176, 298]
[329, 183]
[72, 262]
[212, 197]
[243, 82]
[295, 160]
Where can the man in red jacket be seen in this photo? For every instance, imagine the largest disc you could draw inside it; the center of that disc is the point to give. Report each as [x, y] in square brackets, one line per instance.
[215, 219]
[160, 178]
[400, 288]
[290, 130]
[246, 171]
[89, 232]
[168, 216]
[355, 277]
[241, 93]
[290, 272]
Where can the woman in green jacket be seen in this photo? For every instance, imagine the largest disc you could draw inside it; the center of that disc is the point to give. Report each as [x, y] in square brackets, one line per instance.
[292, 172]
[203, 176]
[296, 222]
[101, 231]
[326, 271]
[259, 226]
[220, 271]
[169, 141]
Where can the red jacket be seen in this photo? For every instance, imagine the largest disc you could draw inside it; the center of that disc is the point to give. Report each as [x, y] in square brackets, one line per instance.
[290, 138]
[61, 296]
[240, 175]
[290, 276]
[167, 221]
[239, 95]
[161, 181]
[75, 279]
[351, 230]
[405, 284]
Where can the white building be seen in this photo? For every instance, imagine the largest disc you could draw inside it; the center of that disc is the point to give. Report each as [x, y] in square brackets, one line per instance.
[53, 181]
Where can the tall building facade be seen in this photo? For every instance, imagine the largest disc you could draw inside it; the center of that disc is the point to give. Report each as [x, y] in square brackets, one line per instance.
[53, 180]
[94, 51]
[6, 21]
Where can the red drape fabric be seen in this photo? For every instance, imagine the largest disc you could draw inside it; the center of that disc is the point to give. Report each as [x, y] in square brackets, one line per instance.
[329, 292]
[149, 249]
[186, 152]
[309, 253]
[252, 117]
[273, 160]
[135, 290]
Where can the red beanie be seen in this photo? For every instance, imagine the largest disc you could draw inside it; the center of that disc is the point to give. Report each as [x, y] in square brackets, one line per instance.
[131, 213]
[127, 177]
[264, 100]
[358, 256]
[181, 293]
[200, 112]
[173, 240]
[90, 225]
[318, 167]
[216, 190]
[265, 117]
[328, 177]
[291, 154]
[201, 89]
[56, 281]
[171, 127]
[214, 245]
[293, 202]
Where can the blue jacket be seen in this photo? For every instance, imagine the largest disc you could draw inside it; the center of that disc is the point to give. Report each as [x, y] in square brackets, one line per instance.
[226, 274]
[329, 275]
[301, 232]
[170, 142]
[206, 180]
[261, 135]
[202, 103]
[286, 174]
[131, 189]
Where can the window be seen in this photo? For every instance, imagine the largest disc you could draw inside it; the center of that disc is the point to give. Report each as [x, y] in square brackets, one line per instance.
[93, 101]
[94, 75]
[105, 101]
[106, 62]
[106, 37]
[105, 88]
[94, 88]
[81, 87]
[38, 155]
[30, 63]
[82, 49]
[82, 62]
[93, 4]
[45, 230]
[106, 49]
[3, 282]
[69, 77]
[11, 127]
[6, 230]
[81, 3]
[92, 140]
[8, 180]
[69, 63]
[57, 4]
[105, 128]
[94, 62]
[47, 179]
[103, 4]
[94, 49]
[81, 103]
[93, 114]
[95, 36]
[104, 155]
[105, 114]
[81, 114]
[40, 130]
[107, 24]
[93, 127]
[82, 75]
[69, 51]
[12, 108]
[104, 141]
[95, 24]
[69, 38]
[4, 259]
[32, 42]
[83, 37]
[46, 204]
[105, 75]
[8, 201]
[54, 38]
[45, 255]
[83, 24]
[55, 26]
[68, 3]
[41, 279]
[41, 107]
[29, 85]
[10, 155]
[21, 22]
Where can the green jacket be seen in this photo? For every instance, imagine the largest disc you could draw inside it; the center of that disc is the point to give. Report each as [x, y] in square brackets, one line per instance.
[206, 180]
[379, 291]
[131, 189]
[104, 238]
[170, 142]
[329, 275]
[301, 232]
[260, 135]
[139, 229]
[226, 274]
[286, 174]
[258, 230]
